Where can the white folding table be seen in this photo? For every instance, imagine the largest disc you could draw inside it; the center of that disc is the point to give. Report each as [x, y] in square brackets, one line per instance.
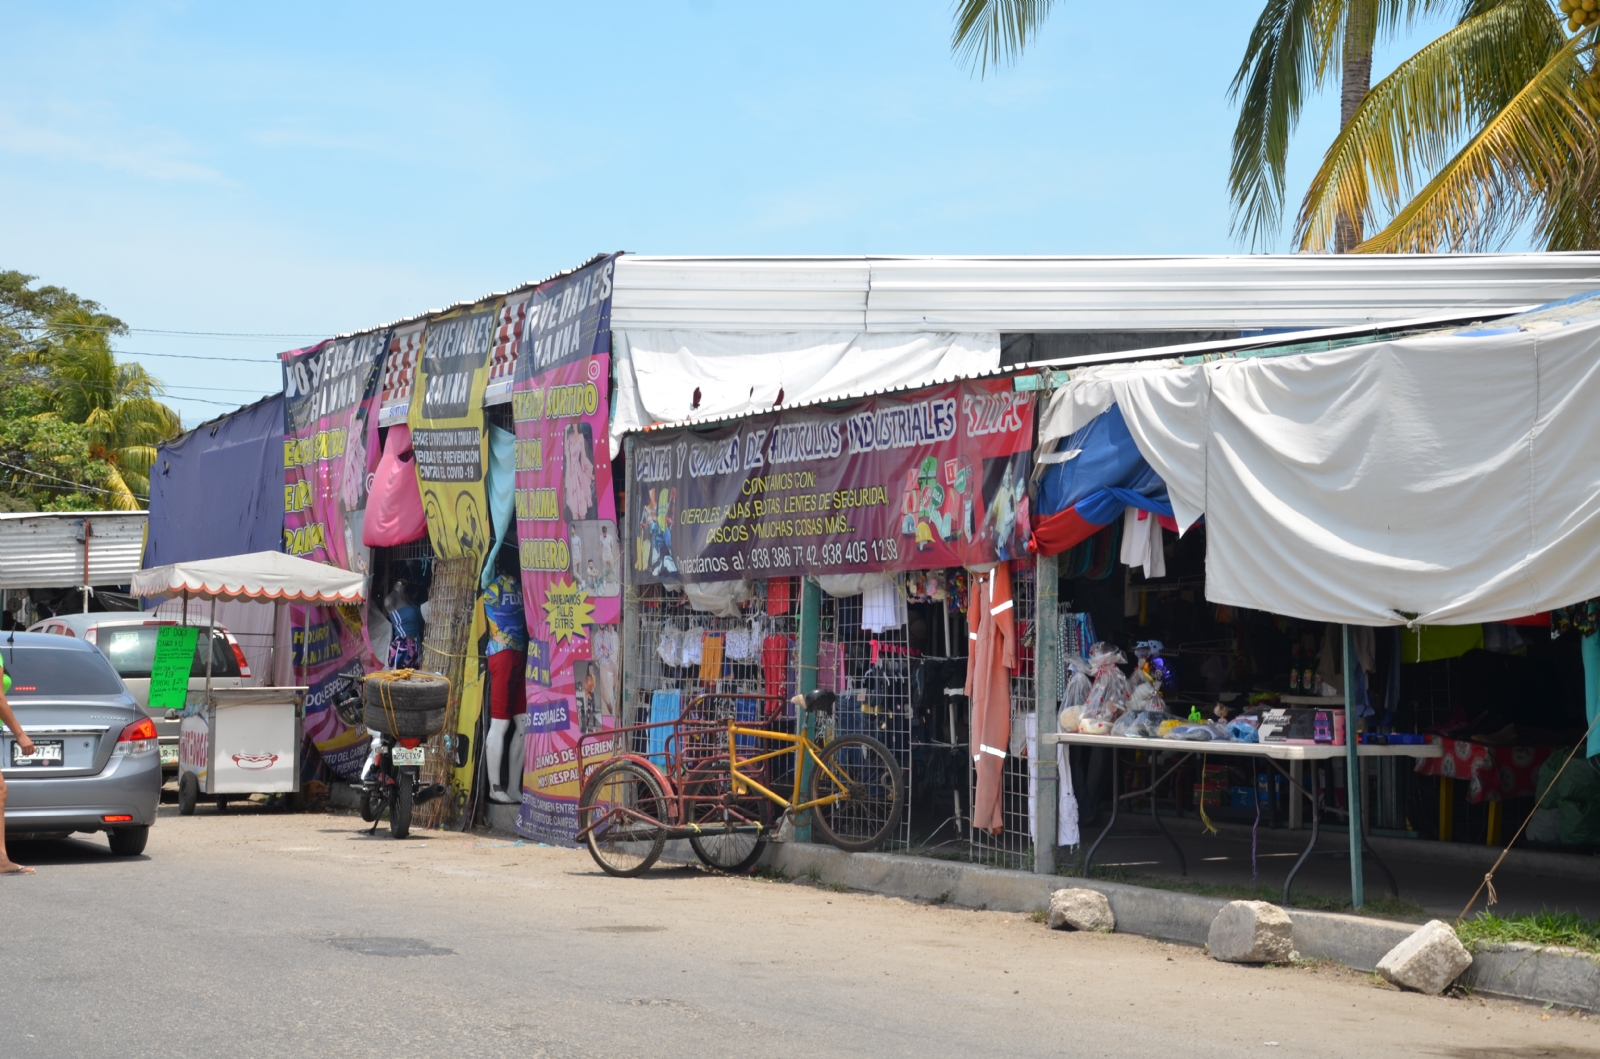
[1272, 752]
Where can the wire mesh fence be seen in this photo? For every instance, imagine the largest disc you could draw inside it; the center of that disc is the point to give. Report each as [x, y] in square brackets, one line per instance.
[1012, 845]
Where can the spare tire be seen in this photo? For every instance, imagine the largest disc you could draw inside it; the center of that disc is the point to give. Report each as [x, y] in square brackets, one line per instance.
[408, 724]
[416, 691]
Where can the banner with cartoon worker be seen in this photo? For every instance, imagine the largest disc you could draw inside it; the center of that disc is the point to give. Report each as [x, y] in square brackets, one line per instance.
[447, 430]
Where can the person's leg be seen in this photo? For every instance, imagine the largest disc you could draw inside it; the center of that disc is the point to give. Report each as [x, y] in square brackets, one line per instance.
[7, 865]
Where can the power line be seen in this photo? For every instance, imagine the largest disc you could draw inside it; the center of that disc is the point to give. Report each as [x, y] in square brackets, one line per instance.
[196, 356]
[67, 481]
[160, 331]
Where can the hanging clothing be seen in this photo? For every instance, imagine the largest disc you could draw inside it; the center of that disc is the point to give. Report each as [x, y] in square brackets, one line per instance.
[1066, 799]
[775, 664]
[778, 594]
[1432, 643]
[883, 605]
[989, 665]
[711, 658]
[1141, 543]
[830, 667]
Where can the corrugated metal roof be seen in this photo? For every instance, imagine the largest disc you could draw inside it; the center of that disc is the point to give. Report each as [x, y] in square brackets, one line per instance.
[1021, 294]
[43, 550]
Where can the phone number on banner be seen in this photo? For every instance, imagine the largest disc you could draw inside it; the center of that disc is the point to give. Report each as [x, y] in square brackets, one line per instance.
[788, 557]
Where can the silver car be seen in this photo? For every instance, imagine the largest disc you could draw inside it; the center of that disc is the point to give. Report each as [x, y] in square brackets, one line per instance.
[95, 765]
[128, 639]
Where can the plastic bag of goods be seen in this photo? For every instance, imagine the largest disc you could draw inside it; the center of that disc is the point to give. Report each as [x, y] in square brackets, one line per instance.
[1109, 694]
[1077, 693]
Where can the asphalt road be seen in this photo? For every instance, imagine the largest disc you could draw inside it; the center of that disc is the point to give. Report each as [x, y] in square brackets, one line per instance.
[256, 934]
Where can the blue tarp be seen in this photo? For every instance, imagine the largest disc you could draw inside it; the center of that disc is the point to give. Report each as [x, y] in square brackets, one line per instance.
[218, 490]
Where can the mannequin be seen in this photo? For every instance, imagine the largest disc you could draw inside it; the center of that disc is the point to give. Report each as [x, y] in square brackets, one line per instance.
[508, 698]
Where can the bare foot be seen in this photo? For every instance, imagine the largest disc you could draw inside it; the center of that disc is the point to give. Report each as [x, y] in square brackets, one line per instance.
[12, 868]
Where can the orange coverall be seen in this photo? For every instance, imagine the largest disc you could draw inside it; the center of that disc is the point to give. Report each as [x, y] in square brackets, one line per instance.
[993, 656]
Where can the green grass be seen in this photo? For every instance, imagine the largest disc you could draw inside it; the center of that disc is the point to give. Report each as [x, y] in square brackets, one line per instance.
[1544, 928]
[1383, 907]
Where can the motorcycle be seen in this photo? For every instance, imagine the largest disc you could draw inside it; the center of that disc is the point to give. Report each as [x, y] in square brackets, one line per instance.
[391, 780]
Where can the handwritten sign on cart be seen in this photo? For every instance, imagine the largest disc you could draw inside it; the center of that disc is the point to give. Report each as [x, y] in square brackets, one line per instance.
[170, 669]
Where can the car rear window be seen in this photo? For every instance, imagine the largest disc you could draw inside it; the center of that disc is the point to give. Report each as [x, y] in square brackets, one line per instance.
[57, 671]
[132, 649]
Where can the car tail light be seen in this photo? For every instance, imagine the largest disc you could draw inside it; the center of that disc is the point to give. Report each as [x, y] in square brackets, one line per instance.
[138, 738]
[238, 653]
[119, 819]
[92, 636]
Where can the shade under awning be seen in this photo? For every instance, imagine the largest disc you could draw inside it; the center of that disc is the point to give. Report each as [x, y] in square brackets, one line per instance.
[264, 576]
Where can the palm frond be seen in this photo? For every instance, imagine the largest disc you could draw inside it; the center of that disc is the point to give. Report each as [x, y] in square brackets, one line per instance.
[1537, 150]
[992, 32]
[1285, 60]
[1412, 121]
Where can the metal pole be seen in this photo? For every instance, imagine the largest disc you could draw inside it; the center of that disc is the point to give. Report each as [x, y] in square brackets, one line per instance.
[810, 637]
[1352, 770]
[210, 632]
[1046, 659]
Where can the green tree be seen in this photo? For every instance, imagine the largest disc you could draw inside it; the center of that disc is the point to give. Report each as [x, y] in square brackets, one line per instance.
[115, 401]
[78, 430]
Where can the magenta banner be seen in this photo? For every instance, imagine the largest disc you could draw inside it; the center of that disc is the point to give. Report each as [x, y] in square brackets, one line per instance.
[330, 451]
[930, 479]
[571, 555]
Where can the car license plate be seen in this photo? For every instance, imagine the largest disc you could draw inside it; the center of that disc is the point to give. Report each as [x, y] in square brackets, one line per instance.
[169, 753]
[403, 756]
[47, 753]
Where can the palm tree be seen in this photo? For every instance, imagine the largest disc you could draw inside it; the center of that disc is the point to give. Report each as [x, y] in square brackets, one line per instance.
[115, 401]
[1488, 130]
[1491, 127]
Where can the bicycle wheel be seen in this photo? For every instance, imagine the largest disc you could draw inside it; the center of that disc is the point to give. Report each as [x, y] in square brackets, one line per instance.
[872, 795]
[712, 806]
[630, 809]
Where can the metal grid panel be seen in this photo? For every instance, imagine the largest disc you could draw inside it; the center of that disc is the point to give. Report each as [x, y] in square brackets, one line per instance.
[875, 696]
[1013, 846]
[650, 609]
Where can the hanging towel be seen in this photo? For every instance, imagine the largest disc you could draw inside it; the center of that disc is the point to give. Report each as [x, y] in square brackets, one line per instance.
[1141, 543]
[775, 664]
[665, 708]
[711, 658]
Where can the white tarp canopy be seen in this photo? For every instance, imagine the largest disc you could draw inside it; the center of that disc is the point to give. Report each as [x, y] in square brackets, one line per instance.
[1446, 478]
[660, 372]
[263, 576]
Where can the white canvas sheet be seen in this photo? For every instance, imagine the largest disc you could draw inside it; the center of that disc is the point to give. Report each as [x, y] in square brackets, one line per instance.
[740, 373]
[257, 576]
[1454, 476]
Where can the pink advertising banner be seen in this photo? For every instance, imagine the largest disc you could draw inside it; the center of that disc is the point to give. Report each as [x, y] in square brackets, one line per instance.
[329, 453]
[571, 556]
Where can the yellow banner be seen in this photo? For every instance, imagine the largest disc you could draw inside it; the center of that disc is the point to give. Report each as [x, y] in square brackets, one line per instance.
[447, 430]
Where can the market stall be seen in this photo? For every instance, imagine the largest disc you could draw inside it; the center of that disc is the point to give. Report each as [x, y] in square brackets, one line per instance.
[237, 742]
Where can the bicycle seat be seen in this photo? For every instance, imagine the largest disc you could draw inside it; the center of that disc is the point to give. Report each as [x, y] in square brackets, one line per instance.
[819, 700]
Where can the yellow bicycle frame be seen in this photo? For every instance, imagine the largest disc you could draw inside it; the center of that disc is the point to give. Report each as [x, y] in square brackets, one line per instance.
[801, 746]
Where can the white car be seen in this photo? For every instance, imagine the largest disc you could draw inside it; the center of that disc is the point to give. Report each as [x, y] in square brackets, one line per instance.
[128, 640]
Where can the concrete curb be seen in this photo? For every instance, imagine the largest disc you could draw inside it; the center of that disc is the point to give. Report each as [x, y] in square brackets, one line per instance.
[1549, 974]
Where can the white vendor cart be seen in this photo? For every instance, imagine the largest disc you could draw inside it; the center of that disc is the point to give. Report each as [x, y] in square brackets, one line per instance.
[242, 741]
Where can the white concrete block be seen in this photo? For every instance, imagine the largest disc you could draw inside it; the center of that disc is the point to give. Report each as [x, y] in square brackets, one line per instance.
[1428, 961]
[1079, 909]
[1251, 932]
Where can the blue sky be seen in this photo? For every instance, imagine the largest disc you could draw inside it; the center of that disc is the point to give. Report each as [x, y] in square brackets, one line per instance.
[289, 171]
